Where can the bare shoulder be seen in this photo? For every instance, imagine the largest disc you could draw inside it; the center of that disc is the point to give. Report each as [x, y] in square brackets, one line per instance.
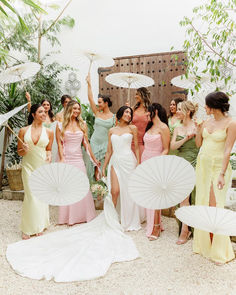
[133, 127]
[111, 130]
[232, 124]
[49, 131]
[23, 130]
[164, 127]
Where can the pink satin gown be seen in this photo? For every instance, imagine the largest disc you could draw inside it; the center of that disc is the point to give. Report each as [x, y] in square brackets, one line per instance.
[84, 210]
[152, 147]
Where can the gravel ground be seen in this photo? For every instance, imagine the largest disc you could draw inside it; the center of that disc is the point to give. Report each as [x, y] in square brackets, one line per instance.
[164, 267]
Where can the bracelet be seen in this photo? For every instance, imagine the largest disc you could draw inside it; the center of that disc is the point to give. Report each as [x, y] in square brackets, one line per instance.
[222, 173]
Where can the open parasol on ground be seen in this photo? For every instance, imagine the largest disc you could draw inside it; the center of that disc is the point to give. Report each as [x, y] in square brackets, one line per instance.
[59, 184]
[5, 117]
[210, 219]
[129, 80]
[19, 72]
[190, 82]
[161, 182]
[94, 57]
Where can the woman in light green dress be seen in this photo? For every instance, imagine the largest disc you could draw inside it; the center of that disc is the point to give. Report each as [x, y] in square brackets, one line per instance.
[36, 150]
[173, 120]
[104, 120]
[183, 140]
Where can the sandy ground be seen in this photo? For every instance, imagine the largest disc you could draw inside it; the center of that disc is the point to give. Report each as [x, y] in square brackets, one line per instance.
[164, 267]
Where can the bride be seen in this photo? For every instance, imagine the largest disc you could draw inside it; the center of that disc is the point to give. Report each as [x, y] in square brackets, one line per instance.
[86, 251]
[122, 163]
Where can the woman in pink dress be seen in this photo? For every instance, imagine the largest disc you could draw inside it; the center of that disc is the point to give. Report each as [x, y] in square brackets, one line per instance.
[140, 117]
[71, 133]
[156, 143]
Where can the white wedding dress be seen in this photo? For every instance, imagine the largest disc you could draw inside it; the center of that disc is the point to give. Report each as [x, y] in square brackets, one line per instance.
[86, 251]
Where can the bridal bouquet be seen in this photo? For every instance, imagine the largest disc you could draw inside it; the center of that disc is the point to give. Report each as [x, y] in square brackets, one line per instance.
[99, 188]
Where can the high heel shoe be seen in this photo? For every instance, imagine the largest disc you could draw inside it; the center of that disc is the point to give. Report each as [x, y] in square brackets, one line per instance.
[183, 241]
[153, 237]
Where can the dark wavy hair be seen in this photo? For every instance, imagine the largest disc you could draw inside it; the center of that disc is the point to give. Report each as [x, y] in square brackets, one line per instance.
[161, 112]
[145, 95]
[176, 100]
[218, 100]
[64, 97]
[106, 98]
[50, 112]
[33, 110]
[121, 111]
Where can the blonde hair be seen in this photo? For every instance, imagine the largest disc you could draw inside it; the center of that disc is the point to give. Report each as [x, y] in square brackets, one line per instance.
[67, 117]
[188, 106]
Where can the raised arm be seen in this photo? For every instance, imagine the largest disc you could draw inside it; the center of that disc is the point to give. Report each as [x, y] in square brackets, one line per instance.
[108, 153]
[28, 97]
[230, 140]
[90, 96]
[165, 136]
[136, 147]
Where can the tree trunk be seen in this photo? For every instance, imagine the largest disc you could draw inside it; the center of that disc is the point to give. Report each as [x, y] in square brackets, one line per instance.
[3, 155]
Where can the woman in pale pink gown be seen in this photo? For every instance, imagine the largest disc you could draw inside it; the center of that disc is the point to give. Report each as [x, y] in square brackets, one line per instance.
[71, 134]
[156, 143]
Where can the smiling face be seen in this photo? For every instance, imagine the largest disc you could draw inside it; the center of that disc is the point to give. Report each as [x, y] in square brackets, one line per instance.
[126, 116]
[208, 110]
[75, 110]
[46, 105]
[40, 115]
[101, 104]
[66, 102]
[179, 112]
[173, 107]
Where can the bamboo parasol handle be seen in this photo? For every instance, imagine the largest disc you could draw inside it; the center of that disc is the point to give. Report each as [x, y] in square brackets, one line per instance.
[14, 133]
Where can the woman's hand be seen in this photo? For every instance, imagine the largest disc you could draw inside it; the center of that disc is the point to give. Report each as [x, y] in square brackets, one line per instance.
[62, 160]
[28, 97]
[103, 172]
[49, 157]
[25, 147]
[221, 181]
[190, 136]
[88, 79]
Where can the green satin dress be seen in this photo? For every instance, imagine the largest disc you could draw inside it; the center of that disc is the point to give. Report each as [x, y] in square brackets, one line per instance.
[188, 151]
[99, 142]
[172, 128]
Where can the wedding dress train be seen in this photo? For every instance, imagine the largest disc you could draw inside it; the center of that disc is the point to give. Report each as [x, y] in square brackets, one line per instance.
[86, 251]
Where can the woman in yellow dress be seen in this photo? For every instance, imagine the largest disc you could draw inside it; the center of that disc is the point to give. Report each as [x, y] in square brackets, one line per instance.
[216, 138]
[36, 150]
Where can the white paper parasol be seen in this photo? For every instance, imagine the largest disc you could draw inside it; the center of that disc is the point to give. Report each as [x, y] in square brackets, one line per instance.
[129, 80]
[210, 219]
[5, 117]
[59, 184]
[190, 82]
[161, 182]
[19, 72]
[99, 59]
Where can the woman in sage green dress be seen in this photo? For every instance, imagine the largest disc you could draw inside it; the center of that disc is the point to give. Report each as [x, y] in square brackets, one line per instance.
[36, 151]
[104, 120]
[183, 140]
[173, 120]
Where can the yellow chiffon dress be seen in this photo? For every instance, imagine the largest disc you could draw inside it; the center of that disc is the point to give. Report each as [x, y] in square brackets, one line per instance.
[209, 165]
[35, 214]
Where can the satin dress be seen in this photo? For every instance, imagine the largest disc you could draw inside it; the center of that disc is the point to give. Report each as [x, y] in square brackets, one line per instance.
[84, 210]
[209, 165]
[35, 214]
[152, 147]
[85, 251]
[140, 121]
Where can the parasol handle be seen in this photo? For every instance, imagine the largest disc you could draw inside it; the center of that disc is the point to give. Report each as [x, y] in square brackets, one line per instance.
[129, 100]
[90, 64]
[14, 133]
